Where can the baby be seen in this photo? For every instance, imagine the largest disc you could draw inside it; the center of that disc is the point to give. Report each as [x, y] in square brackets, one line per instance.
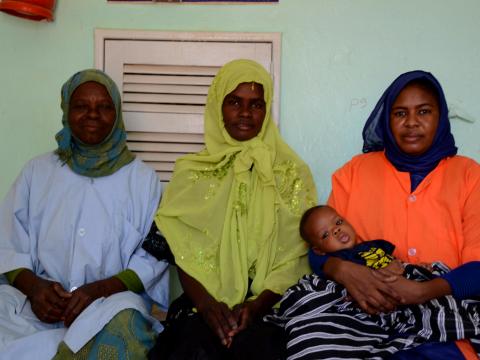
[329, 233]
[332, 314]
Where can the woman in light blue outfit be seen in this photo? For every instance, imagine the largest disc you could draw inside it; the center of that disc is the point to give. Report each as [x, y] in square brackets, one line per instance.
[79, 283]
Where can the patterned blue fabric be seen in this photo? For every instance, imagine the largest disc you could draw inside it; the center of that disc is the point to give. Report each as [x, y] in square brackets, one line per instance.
[377, 135]
[127, 336]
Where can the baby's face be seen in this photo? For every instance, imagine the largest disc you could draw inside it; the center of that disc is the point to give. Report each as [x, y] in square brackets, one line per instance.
[329, 232]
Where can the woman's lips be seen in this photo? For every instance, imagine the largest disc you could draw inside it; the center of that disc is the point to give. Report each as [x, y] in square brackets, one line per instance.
[244, 126]
[411, 138]
[91, 126]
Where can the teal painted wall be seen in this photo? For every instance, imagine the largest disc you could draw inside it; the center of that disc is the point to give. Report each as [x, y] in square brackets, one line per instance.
[337, 57]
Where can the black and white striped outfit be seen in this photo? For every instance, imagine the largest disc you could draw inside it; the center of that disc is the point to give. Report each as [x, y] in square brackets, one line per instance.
[320, 325]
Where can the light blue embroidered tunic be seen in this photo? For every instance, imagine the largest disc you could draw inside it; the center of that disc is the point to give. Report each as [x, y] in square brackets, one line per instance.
[75, 230]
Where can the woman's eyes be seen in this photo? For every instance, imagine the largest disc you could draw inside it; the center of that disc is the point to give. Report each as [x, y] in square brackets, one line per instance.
[403, 113]
[233, 102]
[424, 111]
[400, 113]
[106, 107]
[79, 107]
[325, 235]
[339, 222]
[258, 105]
[85, 107]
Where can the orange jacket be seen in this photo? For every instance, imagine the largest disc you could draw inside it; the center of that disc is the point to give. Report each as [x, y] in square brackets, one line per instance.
[439, 221]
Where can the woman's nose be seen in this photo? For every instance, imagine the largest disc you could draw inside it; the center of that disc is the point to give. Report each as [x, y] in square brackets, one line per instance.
[93, 112]
[336, 231]
[411, 120]
[245, 111]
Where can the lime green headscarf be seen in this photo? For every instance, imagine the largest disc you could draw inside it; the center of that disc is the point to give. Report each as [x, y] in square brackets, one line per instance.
[231, 212]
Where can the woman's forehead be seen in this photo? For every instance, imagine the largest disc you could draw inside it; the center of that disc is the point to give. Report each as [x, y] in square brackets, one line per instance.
[416, 90]
[248, 90]
[87, 87]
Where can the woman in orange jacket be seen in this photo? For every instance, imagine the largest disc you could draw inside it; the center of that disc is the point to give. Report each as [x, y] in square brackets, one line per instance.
[410, 187]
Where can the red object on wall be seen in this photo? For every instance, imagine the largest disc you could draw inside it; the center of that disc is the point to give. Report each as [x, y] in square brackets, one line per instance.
[29, 9]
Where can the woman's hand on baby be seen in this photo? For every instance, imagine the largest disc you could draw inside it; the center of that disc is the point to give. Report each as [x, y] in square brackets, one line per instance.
[394, 268]
[426, 266]
[415, 292]
[219, 318]
[370, 290]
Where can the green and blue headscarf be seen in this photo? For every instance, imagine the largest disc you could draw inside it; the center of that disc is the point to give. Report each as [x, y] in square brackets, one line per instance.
[98, 160]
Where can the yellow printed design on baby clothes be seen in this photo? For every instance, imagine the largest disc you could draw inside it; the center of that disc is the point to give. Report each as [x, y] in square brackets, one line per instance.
[376, 258]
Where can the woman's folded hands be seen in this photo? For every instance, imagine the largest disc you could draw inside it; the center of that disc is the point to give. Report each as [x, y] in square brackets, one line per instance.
[51, 303]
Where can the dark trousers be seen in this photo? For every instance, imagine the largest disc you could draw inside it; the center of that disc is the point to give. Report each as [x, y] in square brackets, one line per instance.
[187, 337]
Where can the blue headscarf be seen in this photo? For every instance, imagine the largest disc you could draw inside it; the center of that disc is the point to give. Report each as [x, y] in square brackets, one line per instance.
[378, 136]
[101, 159]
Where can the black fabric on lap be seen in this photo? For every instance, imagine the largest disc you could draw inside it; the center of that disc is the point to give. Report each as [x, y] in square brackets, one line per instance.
[156, 244]
[188, 337]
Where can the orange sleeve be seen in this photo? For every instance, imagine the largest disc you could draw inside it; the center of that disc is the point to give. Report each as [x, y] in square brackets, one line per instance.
[471, 216]
[471, 232]
[467, 349]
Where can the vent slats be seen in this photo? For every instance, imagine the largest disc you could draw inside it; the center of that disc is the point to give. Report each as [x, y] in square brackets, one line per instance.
[166, 79]
[164, 147]
[162, 166]
[144, 98]
[163, 122]
[158, 157]
[164, 176]
[160, 151]
[170, 69]
[165, 89]
[163, 110]
[170, 137]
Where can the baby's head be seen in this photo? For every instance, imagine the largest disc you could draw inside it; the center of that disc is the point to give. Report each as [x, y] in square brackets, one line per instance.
[326, 231]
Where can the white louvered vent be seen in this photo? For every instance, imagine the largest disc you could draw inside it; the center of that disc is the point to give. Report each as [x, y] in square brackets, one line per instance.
[174, 96]
[164, 79]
